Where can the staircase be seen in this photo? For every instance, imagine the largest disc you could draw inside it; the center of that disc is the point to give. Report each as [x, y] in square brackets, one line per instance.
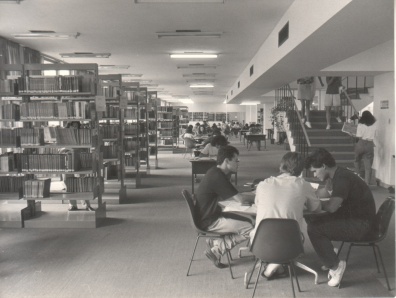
[339, 144]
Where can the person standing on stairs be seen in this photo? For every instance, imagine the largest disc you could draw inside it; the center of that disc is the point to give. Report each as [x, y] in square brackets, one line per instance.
[306, 93]
[364, 148]
[332, 98]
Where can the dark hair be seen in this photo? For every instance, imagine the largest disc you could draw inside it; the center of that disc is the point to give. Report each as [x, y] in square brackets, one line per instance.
[70, 124]
[318, 158]
[219, 140]
[367, 118]
[226, 152]
[189, 129]
[292, 163]
[216, 132]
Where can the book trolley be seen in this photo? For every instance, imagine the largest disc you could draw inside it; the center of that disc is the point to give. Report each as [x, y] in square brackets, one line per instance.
[36, 156]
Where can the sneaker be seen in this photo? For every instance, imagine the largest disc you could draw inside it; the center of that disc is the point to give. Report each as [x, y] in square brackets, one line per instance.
[336, 275]
[308, 124]
[303, 120]
[216, 261]
[73, 208]
[324, 268]
[338, 119]
[89, 208]
[328, 127]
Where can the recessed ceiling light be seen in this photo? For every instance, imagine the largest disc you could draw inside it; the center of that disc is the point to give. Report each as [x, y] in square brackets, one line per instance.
[193, 56]
[45, 34]
[11, 1]
[193, 75]
[196, 66]
[200, 81]
[250, 103]
[179, 1]
[135, 75]
[201, 86]
[85, 55]
[188, 33]
[103, 67]
[186, 100]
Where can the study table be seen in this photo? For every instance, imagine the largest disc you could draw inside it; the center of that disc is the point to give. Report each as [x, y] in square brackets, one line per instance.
[201, 166]
[255, 138]
[238, 208]
[242, 133]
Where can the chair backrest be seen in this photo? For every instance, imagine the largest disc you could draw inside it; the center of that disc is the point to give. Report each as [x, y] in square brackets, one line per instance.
[189, 143]
[277, 240]
[191, 205]
[383, 217]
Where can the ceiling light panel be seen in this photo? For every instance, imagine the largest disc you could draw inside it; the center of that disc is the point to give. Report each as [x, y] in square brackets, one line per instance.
[201, 85]
[45, 34]
[179, 1]
[193, 56]
[188, 33]
[134, 75]
[200, 75]
[187, 66]
[85, 55]
[104, 67]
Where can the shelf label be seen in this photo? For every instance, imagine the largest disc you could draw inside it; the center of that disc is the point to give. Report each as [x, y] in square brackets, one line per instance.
[100, 101]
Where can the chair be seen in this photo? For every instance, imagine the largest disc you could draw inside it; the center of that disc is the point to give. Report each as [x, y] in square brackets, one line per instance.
[201, 233]
[277, 240]
[377, 234]
[190, 144]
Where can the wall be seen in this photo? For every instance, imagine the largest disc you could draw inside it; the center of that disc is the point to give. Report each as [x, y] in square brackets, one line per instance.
[384, 161]
[234, 110]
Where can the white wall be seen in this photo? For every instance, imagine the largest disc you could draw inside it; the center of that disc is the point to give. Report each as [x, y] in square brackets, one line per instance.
[234, 109]
[384, 162]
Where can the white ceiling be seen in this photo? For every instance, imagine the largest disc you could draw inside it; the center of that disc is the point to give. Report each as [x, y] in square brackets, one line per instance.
[128, 31]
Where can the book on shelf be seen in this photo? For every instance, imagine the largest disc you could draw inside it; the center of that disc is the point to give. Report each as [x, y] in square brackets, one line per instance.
[35, 188]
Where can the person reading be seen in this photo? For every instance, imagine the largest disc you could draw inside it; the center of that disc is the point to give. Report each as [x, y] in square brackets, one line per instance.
[212, 149]
[285, 196]
[351, 210]
[214, 187]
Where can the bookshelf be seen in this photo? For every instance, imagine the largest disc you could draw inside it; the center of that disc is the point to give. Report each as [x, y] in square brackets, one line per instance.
[112, 128]
[165, 123]
[152, 101]
[40, 155]
[205, 116]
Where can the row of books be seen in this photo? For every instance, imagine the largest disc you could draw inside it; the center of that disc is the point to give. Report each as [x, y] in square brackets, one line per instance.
[110, 131]
[110, 151]
[7, 162]
[68, 136]
[164, 109]
[10, 111]
[165, 124]
[131, 144]
[80, 184]
[50, 110]
[110, 91]
[10, 184]
[36, 188]
[165, 133]
[7, 86]
[56, 84]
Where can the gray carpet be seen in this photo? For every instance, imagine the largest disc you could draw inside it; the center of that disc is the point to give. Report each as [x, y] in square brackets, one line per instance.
[143, 249]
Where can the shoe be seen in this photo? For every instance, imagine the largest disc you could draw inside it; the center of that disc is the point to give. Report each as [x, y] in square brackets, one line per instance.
[308, 124]
[209, 243]
[73, 208]
[89, 208]
[324, 268]
[277, 273]
[338, 119]
[336, 275]
[328, 127]
[211, 256]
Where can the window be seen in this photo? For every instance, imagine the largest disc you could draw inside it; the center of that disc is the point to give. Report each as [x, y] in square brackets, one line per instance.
[283, 34]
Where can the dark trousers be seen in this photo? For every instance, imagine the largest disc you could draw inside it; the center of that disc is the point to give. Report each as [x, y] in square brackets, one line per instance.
[322, 231]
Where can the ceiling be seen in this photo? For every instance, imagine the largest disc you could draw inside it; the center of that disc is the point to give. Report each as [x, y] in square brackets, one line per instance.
[127, 30]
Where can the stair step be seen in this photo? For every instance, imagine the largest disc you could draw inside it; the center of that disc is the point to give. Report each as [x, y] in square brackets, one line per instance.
[325, 132]
[334, 147]
[335, 140]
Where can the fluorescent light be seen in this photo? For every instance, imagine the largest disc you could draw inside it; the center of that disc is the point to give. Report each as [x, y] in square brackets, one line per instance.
[113, 66]
[186, 100]
[193, 75]
[250, 103]
[135, 75]
[196, 66]
[189, 33]
[148, 85]
[193, 56]
[179, 1]
[11, 1]
[85, 55]
[201, 86]
[45, 35]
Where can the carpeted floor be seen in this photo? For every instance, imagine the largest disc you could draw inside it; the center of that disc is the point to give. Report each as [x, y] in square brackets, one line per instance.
[143, 249]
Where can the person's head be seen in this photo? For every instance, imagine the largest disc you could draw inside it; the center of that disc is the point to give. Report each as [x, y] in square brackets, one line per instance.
[367, 118]
[214, 125]
[197, 124]
[219, 141]
[321, 162]
[292, 163]
[227, 159]
[216, 132]
[189, 129]
[201, 129]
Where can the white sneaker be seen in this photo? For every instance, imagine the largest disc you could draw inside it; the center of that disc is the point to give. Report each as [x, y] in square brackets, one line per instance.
[328, 127]
[338, 119]
[308, 124]
[336, 275]
[303, 120]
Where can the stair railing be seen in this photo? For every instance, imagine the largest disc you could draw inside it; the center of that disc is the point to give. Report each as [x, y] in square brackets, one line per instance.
[285, 96]
[347, 107]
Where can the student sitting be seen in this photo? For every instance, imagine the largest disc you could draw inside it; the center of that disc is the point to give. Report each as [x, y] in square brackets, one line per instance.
[212, 148]
[284, 196]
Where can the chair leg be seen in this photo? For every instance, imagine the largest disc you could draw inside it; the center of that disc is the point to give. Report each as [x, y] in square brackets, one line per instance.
[383, 267]
[339, 250]
[376, 259]
[258, 276]
[192, 256]
[295, 274]
[247, 280]
[229, 264]
[291, 279]
[306, 268]
[346, 262]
